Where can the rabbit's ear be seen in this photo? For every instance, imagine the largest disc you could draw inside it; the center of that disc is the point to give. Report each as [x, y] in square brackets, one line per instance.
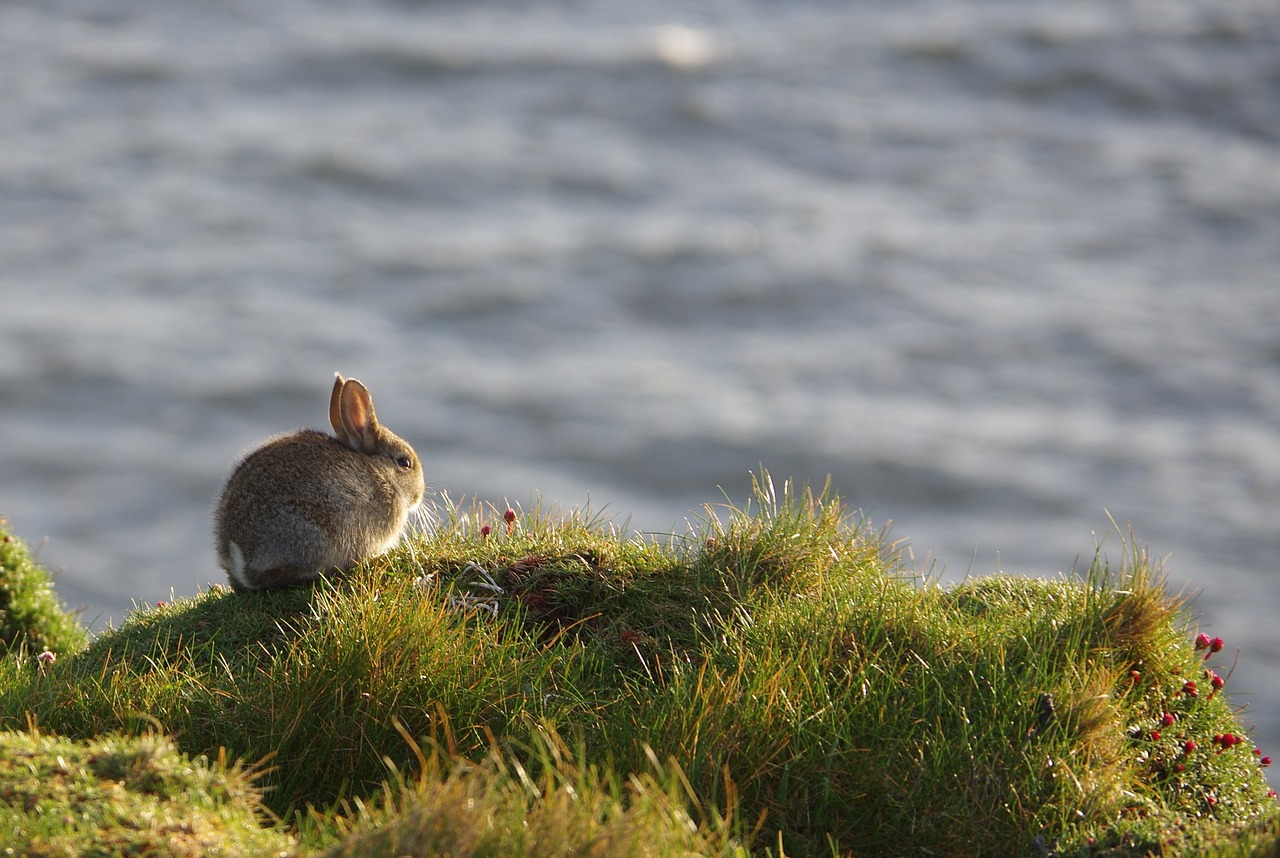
[335, 411]
[358, 418]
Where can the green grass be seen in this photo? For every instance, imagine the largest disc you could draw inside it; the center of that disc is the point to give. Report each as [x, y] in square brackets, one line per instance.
[772, 681]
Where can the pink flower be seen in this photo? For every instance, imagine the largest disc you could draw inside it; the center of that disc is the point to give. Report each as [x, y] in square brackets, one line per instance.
[46, 657]
[1211, 800]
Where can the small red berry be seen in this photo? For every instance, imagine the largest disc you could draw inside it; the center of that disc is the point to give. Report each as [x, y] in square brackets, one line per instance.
[1155, 735]
[1265, 761]
[1188, 746]
[1271, 793]
[1166, 720]
[485, 531]
[1202, 641]
[1189, 688]
[509, 516]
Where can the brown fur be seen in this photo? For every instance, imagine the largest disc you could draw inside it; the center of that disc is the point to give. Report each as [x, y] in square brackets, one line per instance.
[304, 503]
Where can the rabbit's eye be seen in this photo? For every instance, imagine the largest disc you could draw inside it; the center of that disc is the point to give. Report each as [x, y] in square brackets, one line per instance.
[404, 462]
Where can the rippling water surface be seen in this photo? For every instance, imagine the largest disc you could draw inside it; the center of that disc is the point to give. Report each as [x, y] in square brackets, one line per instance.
[999, 268]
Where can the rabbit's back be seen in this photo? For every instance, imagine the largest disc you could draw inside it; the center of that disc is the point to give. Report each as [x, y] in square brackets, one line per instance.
[302, 504]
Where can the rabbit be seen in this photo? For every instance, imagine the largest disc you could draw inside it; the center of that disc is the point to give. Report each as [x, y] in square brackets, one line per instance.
[304, 503]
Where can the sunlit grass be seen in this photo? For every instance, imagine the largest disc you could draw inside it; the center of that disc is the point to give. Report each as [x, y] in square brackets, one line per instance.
[120, 795]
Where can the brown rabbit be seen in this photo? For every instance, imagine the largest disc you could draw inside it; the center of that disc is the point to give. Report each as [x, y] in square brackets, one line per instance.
[305, 502]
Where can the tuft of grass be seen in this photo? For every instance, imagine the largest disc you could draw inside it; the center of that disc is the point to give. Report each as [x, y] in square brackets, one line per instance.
[557, 806]
[772, 680]
[31, 618]
[118, 795]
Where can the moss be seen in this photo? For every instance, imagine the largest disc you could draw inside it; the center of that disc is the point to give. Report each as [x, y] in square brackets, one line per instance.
[31, 617]
[118, 795]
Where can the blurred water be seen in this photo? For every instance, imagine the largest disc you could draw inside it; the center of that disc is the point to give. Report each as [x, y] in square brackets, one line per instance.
[999, 268]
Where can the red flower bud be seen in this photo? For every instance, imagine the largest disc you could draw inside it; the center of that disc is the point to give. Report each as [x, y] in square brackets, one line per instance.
[1188, 746]
[509, 516]
[1202, 641]
[485, 531]
[1226, 740]
[1166, 720]
[1155, 735]
[1189, 688]
[1265, 761]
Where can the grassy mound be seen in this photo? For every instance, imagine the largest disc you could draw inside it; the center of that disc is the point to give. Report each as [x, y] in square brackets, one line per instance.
[771, 682]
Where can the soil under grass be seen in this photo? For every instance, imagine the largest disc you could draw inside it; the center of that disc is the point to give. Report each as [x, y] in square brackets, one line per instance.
[772, 682]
